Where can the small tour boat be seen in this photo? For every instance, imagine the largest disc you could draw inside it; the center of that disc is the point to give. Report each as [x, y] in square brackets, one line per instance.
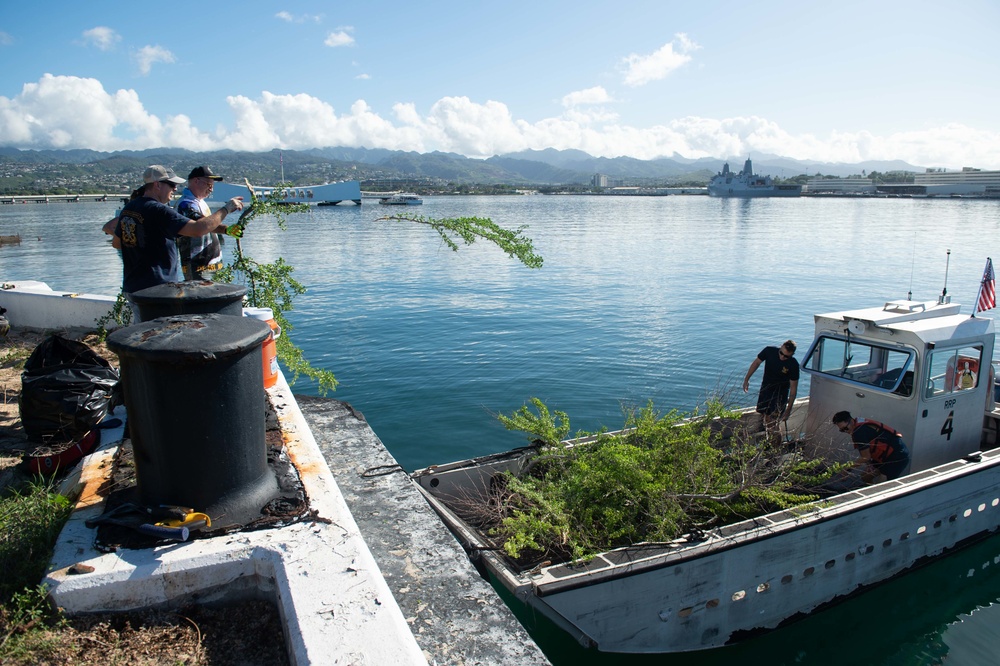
[401, 199]
[924, 368]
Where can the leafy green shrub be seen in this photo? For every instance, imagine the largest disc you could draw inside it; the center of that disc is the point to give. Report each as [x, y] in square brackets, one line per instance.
[662, 476]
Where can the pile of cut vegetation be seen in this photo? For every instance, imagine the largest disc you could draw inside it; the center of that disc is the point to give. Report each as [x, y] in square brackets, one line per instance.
[661, 477]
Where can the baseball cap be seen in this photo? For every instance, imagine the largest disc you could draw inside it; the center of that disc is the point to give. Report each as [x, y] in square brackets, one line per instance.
[203, 172]
[157, 173]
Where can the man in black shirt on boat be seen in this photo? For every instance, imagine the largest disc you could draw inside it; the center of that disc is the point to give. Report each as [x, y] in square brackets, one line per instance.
[779, 386]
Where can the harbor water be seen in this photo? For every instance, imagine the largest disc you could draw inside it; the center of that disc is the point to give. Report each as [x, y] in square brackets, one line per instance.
[665, 299]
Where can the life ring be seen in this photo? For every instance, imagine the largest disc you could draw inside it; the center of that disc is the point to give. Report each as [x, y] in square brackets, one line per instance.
[967, 373]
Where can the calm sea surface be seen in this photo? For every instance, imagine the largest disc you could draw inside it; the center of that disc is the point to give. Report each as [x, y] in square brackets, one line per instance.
[647, 298]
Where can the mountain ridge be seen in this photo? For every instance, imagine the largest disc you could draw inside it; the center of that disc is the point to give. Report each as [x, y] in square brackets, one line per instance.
[548, 167]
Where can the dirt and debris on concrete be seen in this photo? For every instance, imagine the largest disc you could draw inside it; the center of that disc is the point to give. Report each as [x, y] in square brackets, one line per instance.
[241, 634]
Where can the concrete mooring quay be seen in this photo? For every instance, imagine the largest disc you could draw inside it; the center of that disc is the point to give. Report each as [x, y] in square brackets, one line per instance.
[376, 579]
[455, 615]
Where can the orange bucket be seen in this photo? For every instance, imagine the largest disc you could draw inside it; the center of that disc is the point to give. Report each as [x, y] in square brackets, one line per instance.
[269, 350]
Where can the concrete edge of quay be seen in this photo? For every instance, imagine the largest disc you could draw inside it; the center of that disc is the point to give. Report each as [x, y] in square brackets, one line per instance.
[456, 615]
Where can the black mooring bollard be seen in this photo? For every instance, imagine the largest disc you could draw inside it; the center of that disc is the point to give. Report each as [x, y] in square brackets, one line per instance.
[194, 393]
[194, 297]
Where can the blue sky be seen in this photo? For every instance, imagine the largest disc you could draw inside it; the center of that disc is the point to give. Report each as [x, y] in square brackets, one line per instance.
[842, 82]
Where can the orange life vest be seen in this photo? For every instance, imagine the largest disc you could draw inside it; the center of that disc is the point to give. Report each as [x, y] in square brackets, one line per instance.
[879, 449]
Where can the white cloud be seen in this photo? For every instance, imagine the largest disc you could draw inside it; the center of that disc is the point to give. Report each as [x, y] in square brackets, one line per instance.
[291, 18]
[642, 69]
[73, 112]
[339, 38]
[102, 37]
[474, 129]
[148, 56]
[595, 95]
[5, 39]
[363, 77]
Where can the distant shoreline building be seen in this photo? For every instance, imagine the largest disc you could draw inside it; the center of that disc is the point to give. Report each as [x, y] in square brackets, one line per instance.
[839, 186]
[969, 182]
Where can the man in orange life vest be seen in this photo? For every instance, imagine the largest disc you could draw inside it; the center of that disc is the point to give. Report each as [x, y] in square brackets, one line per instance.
[879, 447]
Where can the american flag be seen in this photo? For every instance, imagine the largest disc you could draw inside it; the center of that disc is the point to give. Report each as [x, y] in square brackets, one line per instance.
[988, 289]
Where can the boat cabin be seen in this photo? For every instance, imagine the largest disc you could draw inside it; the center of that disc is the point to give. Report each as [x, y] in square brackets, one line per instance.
[923, 369]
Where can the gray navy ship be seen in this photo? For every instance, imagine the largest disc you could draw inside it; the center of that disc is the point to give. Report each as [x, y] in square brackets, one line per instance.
[748, 184]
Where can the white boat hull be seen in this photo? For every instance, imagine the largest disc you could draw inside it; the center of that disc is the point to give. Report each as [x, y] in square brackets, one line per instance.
[747, 578]
[401, 200]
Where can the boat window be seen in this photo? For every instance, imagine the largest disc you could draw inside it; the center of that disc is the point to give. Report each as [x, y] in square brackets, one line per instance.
[887, 368]
[953, 370]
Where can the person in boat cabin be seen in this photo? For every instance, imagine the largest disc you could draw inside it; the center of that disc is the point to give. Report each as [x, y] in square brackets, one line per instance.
[200, 256]
[778, 387]
[147, 228]
[967, 378]
[881, 449]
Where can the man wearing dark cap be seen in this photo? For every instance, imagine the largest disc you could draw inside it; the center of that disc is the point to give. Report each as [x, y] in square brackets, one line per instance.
[200, 257]
[147, 228]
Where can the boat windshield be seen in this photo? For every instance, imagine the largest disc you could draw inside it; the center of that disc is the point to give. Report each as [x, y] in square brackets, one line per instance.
[889, 369]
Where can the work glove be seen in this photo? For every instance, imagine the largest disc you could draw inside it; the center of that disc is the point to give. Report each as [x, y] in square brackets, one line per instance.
[235, 230]
[234, 204]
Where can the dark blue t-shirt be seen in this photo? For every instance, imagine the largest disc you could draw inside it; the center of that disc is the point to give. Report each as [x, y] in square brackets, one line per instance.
[147, 230]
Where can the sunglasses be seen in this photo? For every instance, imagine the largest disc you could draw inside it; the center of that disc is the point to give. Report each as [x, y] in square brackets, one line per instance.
[782, 354]
[172, 186]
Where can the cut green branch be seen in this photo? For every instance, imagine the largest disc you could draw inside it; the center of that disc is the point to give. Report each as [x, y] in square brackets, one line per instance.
[272, 285]
[468, 229]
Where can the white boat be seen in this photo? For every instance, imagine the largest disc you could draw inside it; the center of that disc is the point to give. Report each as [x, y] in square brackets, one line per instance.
[748, 184]
[401, 199]
[902, 363]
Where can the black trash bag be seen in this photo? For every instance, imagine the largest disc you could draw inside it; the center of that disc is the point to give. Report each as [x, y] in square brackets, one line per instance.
[66, 390]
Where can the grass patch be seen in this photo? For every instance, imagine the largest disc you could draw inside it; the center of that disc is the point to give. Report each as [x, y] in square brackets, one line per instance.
[30, 520]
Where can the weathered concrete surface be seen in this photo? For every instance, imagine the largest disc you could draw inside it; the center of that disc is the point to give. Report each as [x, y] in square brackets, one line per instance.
[336, 606]
[455, 615]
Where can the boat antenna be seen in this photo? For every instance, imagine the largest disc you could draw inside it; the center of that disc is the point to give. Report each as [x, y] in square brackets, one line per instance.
[944, 292]
[913, 261]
